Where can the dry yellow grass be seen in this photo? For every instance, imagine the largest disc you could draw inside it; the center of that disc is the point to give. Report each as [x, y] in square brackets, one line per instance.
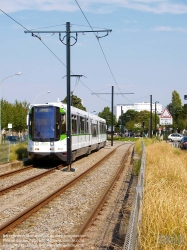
[164, 214]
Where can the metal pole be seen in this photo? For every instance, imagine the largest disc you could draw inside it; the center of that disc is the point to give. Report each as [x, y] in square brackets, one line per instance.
[71, 98]
[0, 116]
[68, 96]
[151, 117]
[121, 120]
[112, 117]
[155, 118]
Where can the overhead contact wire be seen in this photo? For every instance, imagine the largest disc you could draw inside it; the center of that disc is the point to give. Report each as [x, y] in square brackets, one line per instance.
[46, 47]
[102, 51]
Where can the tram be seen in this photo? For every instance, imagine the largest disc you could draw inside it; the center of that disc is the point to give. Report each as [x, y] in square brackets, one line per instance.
[47, 137]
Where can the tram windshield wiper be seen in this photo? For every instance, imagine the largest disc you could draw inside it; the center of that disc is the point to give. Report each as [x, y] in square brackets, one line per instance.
[40, 137]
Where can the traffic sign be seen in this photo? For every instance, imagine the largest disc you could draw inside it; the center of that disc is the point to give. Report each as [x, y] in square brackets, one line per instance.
[166, 118]
[166, 114]
[9, 125]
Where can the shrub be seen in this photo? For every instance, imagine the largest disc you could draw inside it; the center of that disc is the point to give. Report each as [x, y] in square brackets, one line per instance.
[18, 151]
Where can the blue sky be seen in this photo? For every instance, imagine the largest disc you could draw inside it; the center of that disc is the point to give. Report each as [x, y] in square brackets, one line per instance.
[145, 54]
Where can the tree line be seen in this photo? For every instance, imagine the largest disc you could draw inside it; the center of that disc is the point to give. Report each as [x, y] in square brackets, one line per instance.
[132, 120]
[140, 121]
[15, 114]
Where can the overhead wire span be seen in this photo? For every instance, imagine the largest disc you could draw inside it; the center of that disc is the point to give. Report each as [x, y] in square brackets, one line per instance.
[34, 36]
[88, 26]
[48, 27]
[45, 46]
[102, 51]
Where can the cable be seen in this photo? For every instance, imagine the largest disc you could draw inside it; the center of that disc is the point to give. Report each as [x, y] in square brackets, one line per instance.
[35, 36]
[87, 26]
[48, 27]
[92, 91]
[46, 47]
[102, 51]
[13, 19]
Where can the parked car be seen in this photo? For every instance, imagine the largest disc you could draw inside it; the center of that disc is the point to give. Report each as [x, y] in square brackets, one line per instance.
[183, 143]
[175, 137]
[13, 139]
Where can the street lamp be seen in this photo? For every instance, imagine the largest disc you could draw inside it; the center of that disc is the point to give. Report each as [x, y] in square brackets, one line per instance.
[40, 94]
[155, 116]
[17, 74]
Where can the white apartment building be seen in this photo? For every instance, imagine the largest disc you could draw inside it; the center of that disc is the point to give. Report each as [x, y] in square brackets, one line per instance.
[137, 107]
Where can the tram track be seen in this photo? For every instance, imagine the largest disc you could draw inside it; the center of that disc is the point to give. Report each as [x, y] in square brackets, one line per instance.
[17, 171]
[32, 209]
[35, 207]
[98, 207]
[26, 181]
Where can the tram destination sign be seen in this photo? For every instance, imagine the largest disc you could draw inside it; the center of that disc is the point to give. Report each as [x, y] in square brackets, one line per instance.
[166, 118]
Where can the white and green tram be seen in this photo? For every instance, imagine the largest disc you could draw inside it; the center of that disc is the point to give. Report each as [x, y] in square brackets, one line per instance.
[47, 137]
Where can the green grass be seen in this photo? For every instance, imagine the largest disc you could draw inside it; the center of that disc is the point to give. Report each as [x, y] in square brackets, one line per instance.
[18, 151]
[136, 166]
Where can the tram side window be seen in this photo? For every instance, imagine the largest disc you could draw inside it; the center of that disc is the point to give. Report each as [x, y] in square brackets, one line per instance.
[74, 124]
[91, 126]
[94, 130]
[82, 121]
[63, 123]
[78, 125]
[87, 126]
[102, 128]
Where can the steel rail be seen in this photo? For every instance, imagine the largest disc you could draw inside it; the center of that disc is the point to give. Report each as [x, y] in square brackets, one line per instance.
[26, 181]
[15, 172]
[4, 228]
[91, 217]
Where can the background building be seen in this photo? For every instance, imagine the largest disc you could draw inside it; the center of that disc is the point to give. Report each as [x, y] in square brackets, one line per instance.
[137, 107]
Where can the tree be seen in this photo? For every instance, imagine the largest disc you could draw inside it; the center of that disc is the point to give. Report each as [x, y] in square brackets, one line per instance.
[140, 119]
[184, 108]
[107, 115]
[176, 103]
[176, 110]
[20, 114]
[6, 114]
[129, 115]
[126, 118]
[14, 114]
[176, 100]
[76, 102]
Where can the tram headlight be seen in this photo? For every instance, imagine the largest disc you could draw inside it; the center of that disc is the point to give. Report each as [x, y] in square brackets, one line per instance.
[36, 143]
[51, 143]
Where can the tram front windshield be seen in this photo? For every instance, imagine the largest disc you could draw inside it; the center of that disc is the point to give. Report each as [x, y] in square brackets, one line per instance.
[44, 119]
